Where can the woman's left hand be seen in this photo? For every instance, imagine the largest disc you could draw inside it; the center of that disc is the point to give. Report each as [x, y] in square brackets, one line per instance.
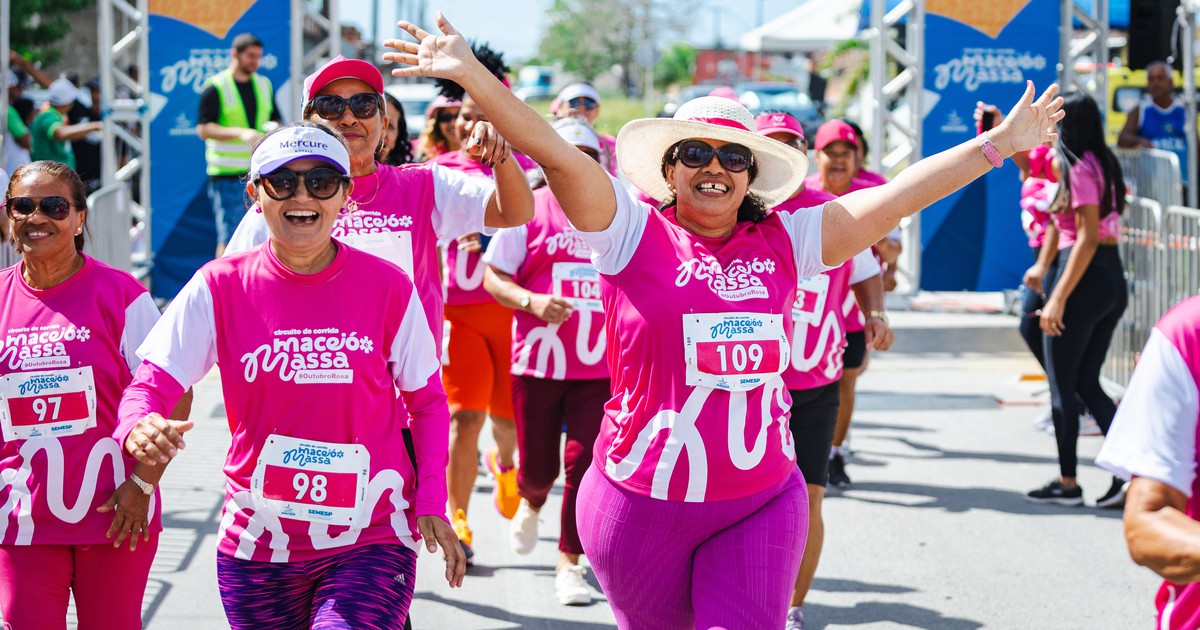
[1052, 317]
[130, 507]
[447, 56]
[470, 243]
[1030, 122]
[879, 335]
[487, 145]
[437, 532]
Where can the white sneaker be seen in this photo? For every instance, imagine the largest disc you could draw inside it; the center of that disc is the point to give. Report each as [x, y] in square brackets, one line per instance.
[570, 586]
[523, 530]
[1045, 422]
[1088, 425]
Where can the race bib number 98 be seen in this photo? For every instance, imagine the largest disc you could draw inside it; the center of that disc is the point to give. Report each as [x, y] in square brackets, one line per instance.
[54, 403]
[312, 481]
[734, 351]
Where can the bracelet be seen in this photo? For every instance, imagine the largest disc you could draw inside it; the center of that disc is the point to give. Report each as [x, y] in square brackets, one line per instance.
[989, 150]
[146, 487]
[880, 314]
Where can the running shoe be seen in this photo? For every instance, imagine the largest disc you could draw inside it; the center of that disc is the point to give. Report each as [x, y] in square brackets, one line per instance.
[837, 472]
[1088, 425]
[1115, 497]
[459, 523]
[1045, 422]
[795, 619]
[570, 586]
[523, 531]
[504, 495]
[1057, 494]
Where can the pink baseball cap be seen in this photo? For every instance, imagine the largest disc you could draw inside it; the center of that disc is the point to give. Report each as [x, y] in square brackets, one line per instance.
[778, 122]
[342, 68]
[833, 131]
[441, 102]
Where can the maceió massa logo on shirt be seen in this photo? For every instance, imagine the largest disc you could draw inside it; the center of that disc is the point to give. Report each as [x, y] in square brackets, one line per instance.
[306, 356]
[570, 242]
[369, 222]
[41, 347]
[739, 281]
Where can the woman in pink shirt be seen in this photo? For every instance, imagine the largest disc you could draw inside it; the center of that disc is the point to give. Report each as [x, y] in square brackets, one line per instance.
[323, 511]
[71, 498]
[543, 270]
[694, 470]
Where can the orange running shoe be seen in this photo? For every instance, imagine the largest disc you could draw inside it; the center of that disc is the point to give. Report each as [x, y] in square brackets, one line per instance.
[505, 494]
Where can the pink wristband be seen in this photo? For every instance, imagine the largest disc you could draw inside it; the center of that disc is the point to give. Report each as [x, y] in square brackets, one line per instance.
[989, 150]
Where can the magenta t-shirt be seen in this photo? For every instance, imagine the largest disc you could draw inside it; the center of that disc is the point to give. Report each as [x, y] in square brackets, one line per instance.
[68, 353]
[400, 213]
[310, 368]
[699, 333]
[1087, 189]
[851, 314]
[548, 256]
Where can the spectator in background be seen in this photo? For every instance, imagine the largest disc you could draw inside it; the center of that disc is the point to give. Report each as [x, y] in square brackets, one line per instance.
[581, 100]
[1157, 122]
[29, 69]
[236, 108]
[52, 135]
[397, 149]
[87, 148]
[16, 130]
[439, 135]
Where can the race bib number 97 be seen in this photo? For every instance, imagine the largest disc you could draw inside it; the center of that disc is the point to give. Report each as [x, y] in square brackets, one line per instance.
[54, 403]
[312, 481]
[734, 351]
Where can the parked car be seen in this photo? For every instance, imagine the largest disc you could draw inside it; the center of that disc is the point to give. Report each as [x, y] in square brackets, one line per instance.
[414, 97]
[686, 94]
[533, 83]
[761, 96]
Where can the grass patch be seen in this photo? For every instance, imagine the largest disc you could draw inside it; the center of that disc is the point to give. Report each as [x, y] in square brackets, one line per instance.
[614, 113]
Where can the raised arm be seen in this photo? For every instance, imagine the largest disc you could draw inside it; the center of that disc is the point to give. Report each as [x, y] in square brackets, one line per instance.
[856, 221]
[581, 186]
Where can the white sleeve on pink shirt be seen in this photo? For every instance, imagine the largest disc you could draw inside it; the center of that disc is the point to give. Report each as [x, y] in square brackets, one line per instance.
[140, 317]
[614, 246]
[864, 266]
[459, 203]
[251, 232]
[412, 358]
[507, 250]
[804, 226]
[184, 342]
[1154, 433]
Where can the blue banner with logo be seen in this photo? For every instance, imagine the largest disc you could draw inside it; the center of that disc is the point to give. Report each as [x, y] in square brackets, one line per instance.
[972, 240]
[189, 42]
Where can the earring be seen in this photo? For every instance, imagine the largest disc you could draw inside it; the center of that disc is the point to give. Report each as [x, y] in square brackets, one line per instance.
[78, 231]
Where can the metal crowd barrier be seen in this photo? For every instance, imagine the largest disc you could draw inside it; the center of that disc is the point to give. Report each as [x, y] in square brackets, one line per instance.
[1152, 174]
[110, 224]
[1160, 250]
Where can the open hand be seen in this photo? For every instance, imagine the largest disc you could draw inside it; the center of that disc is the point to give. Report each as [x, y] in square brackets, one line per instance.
[156, 440]
[437, 532]
[131, 508]
[447, 56]
[1030, 122]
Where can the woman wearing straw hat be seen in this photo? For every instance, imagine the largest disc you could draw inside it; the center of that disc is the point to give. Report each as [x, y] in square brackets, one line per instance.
[694, 469]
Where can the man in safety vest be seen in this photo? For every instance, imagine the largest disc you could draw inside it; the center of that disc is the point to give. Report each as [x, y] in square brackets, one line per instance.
[236, 109]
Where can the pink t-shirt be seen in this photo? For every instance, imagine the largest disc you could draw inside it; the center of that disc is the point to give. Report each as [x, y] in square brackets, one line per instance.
[816, 182]
[548, 256]
[310, 368]
[400, 213]
[68, 353]
[698, 333]
[1156, 435]
[462, 282]
[1087, 189]
[871, 177]
[1037, 192]
[608, 154]
[852, 315]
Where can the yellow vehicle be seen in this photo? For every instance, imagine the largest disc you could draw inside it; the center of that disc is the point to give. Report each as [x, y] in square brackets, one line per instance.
[1126, 88]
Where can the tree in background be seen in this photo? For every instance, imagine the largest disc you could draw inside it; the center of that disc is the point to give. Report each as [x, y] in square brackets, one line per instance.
[589, 37]
[677, 66]
[37, 25]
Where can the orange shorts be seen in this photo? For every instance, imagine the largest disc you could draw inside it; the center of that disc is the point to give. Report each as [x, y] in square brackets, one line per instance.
[478, 356]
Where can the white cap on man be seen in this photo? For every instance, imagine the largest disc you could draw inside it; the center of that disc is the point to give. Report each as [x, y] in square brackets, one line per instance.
[578, 133]
[61, 92]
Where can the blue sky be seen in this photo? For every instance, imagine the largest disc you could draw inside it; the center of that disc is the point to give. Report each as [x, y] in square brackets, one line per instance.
[515, 26]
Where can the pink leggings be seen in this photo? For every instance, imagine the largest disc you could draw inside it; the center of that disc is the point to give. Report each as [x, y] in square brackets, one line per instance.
[36, 582]
[670, 564]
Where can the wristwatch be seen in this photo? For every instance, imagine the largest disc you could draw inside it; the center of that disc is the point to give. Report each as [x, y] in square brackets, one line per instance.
[146, 488]
[525, 300]
[881, 315]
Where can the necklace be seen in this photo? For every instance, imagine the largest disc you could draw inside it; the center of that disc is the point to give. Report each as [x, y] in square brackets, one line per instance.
[352, 205]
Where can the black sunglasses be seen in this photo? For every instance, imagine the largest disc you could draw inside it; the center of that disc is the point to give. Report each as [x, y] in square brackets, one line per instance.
[582, 102]
[56, 207]
[446, 117]
[332, 106]
[697, 154]
[321, 182]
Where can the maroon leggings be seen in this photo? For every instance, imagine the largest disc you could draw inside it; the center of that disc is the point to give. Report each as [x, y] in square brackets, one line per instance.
[543, 407]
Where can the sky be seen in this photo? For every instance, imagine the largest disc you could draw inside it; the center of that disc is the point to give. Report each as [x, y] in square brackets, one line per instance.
[515, 26]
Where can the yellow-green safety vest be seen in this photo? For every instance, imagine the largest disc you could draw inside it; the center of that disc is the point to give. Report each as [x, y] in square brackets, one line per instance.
[232, 157]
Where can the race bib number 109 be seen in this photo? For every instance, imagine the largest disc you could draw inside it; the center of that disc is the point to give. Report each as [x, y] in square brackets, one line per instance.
[734, 351]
